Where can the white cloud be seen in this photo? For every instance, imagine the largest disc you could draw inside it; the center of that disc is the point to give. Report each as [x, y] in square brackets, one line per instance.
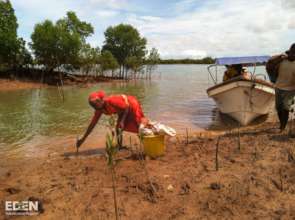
[193, 53]
[291, 24]
[112, 4]
[228, 28]
[106, 13]
[150, 18]
[288, 4]
[194, 28]
[184, 5]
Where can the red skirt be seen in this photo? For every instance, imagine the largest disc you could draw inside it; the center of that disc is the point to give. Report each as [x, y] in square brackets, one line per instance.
[134, 116]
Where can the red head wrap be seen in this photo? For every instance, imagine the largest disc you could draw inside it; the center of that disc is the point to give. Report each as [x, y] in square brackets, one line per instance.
[96, 95]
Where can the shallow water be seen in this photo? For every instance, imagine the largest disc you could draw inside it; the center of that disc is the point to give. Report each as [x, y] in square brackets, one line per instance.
[175, 96]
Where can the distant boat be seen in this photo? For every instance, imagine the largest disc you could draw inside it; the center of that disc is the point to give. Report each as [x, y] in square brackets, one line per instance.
[242, 99]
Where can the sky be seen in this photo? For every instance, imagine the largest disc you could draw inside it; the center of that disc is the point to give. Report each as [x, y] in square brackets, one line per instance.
[178, 28]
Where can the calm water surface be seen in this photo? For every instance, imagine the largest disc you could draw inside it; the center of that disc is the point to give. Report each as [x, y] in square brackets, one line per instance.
[175, 96]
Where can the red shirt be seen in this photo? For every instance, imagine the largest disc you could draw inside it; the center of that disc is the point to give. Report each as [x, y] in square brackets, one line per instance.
[117, 104]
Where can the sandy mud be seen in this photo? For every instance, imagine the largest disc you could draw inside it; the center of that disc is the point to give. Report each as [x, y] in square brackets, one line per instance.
[253, 181]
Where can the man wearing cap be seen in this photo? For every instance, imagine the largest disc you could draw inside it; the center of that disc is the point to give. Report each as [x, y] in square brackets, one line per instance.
[127, 108]
[285, 87]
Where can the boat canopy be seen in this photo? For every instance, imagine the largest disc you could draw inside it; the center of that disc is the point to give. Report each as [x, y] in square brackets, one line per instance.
[241, 60]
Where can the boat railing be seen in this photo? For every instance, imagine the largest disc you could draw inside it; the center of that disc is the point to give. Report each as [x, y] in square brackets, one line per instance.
[212, 75]
[253, 75]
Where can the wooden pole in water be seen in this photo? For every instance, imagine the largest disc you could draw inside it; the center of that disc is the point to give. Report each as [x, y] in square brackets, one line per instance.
[59, 92]
[61, 83]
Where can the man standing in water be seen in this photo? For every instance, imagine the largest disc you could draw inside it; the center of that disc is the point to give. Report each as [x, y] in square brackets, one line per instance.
[127, 108]
[285, 87]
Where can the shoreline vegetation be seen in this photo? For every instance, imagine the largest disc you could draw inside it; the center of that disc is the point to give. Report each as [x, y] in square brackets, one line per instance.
[55, 78]
[40, 77]
[61, 48]
[206, 60]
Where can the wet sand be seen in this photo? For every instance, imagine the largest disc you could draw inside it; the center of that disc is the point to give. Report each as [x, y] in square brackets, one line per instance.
[253, 182]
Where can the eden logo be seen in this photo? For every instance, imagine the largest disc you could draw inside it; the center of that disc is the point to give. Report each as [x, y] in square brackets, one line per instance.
[21, 207]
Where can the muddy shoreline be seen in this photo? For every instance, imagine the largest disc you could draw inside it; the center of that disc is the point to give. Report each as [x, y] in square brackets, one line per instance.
[23, 83]
[34, 78]
[253, 182]
[10, 85]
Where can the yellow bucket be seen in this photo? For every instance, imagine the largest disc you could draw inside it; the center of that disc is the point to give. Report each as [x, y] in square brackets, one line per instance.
[154, 146]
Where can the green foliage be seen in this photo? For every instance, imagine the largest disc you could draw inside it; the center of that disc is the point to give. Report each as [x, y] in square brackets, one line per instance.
[111, 150]
[152, 60]
[124, 41]
[89, 57]
[111, 145]
[60, 43]
[134, 63]
[108, 61]
[153, 56]
[10, 45]
[73, 25]
[208, 60]
[23, 56]
[45, 44]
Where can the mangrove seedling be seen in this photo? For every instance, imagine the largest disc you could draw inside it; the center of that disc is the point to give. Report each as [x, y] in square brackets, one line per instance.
[111, 151]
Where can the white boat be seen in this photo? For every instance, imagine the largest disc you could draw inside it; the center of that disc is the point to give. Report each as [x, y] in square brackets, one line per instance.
[242, 99]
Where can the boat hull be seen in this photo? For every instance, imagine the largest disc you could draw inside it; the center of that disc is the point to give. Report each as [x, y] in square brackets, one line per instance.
[243, 100]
